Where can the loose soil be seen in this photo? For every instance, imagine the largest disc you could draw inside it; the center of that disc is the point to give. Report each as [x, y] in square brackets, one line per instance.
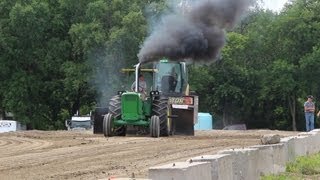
[83, 155]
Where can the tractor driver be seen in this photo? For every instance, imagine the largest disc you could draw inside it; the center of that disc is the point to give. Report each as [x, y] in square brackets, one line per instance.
[175, 80]
[142, 85]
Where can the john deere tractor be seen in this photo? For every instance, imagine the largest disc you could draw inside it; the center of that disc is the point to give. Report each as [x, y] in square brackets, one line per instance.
[166, 110]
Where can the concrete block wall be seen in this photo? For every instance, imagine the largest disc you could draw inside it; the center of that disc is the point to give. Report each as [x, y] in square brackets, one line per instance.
[181, 171]
[311, 143]
[114, 178]
[221, 165]
[289, 144]
[244, 163]
[300, 145]
[271, 159]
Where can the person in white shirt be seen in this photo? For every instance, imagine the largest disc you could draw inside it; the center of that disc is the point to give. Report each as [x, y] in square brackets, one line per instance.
[142, 85]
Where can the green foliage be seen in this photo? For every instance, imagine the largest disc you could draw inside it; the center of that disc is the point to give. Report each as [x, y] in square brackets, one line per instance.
[52, 51]
[281, 121]
[309, 165]
[306, 167]
[284, 176]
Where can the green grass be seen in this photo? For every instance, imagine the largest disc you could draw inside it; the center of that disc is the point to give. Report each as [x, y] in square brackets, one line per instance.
[303, 168]
[283, 176]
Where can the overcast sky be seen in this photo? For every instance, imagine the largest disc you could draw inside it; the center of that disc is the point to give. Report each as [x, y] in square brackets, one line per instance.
[275, 5]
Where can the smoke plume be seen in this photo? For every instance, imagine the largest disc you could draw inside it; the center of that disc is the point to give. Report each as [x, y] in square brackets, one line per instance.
[197, 33]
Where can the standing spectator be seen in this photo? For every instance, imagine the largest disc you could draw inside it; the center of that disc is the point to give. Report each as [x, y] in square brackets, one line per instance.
[309, 108]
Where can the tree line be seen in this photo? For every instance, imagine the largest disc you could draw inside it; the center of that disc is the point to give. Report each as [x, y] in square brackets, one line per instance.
[268, 67]
[61, 56]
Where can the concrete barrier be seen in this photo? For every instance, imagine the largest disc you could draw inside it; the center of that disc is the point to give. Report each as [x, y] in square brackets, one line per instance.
[114, 178]
[289, 145]
[221, 165]
[181, 171]
[316, 131]
[300, 145]
[312, 143]
[271, 158]
[316, 142]
[244, 163]
[279, 158]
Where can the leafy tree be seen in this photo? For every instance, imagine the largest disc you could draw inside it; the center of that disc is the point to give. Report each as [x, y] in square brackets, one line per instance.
[53, 53]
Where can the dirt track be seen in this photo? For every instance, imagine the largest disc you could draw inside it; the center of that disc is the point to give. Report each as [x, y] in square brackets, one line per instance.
[82, 155]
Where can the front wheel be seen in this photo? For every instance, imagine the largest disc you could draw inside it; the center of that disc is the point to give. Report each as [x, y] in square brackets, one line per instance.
[108, 125]
[155, 126]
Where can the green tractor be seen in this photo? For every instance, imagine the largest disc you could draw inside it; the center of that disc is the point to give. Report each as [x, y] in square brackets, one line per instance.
[166, 110]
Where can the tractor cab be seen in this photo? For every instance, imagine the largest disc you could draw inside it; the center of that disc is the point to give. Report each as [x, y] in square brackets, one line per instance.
[167, 77]
[170, 78]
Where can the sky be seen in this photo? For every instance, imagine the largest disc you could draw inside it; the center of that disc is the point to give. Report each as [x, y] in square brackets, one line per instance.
[274, 5]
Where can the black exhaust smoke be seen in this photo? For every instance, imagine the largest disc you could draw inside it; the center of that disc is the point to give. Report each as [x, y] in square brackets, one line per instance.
[198, 34]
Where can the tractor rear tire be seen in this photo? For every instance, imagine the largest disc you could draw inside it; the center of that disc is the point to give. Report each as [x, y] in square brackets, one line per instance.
[115, 110]
[108, 125]
[155, 126]
[160, 109]
[115, 106]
